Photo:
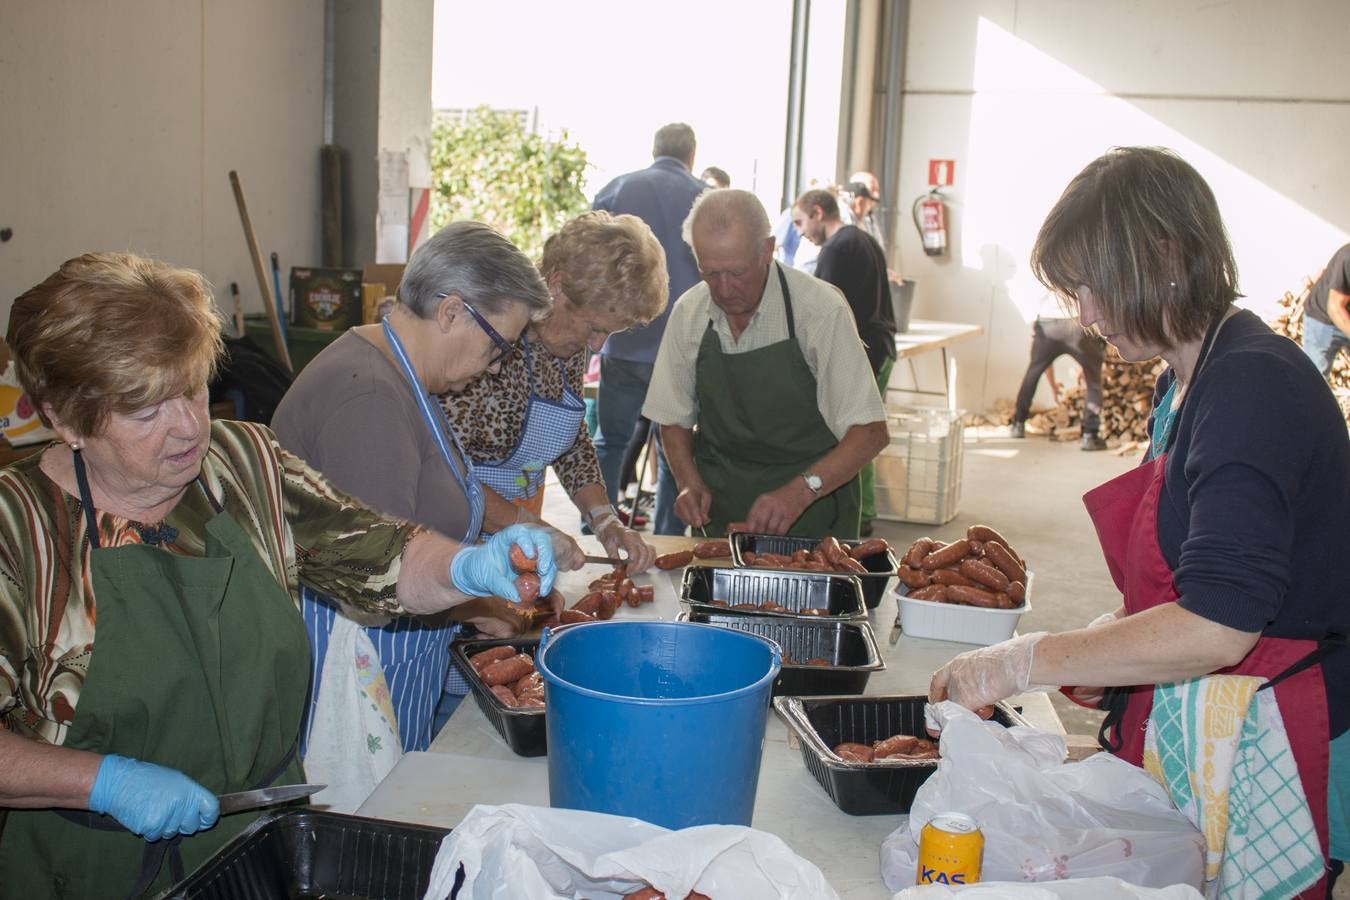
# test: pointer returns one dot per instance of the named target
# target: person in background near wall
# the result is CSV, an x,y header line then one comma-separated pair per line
x,y
852,260
1326,321
715,178
1053,334
660,195
152,653
864,198
360,412
1227,542
605,274
766,403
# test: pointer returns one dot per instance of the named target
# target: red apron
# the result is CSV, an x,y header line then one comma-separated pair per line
x,y
1125,513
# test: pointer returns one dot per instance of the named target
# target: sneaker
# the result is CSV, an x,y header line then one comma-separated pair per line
x,y
1017,430
1092,442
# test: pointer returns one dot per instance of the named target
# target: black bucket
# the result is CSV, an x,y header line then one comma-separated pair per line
x,y
902,301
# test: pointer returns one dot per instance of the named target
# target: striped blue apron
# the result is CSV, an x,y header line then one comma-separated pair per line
x,y
549,429
414,656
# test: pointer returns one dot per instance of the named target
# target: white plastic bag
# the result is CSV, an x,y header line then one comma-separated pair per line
x,y
514,851
1044,819
1072,889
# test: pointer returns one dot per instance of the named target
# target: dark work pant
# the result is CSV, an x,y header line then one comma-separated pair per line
x,y
1051,339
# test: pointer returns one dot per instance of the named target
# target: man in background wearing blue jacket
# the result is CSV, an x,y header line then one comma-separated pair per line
x,y
660,195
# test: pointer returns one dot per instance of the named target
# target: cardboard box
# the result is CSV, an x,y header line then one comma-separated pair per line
x,y
379,290
326,299
19,422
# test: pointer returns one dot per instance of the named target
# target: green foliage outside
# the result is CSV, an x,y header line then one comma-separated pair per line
x,y
490,168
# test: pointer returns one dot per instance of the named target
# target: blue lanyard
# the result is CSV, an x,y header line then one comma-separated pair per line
x,y
439,427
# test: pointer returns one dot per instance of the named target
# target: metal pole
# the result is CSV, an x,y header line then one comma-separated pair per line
x,y
897,32
848,92
792,150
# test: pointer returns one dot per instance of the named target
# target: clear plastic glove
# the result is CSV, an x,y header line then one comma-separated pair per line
x,y
484,570
567,553
989,674
615,536
151,801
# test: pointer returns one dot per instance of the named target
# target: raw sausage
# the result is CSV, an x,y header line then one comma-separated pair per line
x,y
972,597
572,616
852,566
900,743
520,562
950,577
527,586
953,552
675,560
712,549
869,548
913,578
506,671
918,550
646,592
1018,592
984,574
1001,556
853,752
834,553
480,660
934,592
503,693
589,604
609,602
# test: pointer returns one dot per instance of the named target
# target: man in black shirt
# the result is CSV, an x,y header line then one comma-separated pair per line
x,y
1326,324
853,261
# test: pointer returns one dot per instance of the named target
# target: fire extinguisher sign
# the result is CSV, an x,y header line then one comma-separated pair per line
x,y
941,172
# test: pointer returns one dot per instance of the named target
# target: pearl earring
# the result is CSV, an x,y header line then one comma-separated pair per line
x,y
75,445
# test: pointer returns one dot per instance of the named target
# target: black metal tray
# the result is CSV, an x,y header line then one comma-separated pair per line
x,y
858,788
881,567
295,853
840,595
522,729
851,648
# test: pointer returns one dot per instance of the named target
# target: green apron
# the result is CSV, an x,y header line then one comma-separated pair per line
x,y
200,664
759,427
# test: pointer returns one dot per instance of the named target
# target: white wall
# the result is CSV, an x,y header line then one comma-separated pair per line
x,y
1023,93
121,120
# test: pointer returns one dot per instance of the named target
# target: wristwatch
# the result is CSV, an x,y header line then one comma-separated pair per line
x,y
813,482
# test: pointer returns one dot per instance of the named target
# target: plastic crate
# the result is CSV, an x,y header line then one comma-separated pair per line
x,y
850,647
918,474
881,567
309,853
859,788
522,729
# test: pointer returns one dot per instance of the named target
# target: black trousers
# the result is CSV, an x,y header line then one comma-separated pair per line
x,y
1051,339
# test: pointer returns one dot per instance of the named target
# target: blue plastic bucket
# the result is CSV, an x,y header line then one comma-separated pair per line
x,y
662,721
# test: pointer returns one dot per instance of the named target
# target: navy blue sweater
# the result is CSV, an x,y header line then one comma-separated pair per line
x,y
1255,508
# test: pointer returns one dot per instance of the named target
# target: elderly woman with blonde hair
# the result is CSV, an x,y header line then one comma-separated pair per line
x,y
152,653
606,273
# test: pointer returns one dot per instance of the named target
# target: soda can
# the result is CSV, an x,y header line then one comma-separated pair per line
x,y
951,850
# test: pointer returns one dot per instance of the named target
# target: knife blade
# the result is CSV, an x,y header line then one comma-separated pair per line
x,y
268,796
605,560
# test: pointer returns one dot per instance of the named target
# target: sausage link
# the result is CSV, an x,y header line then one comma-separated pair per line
x,y
853,752
520,562
869,548
986,534
913,578
899,743
972,597
953,552
852,566
712,549
1018,592
628,593
1001,556
976,548
984,574
589,604
481,659
527,586
609,603
646,592
532,683
1004,601
506,671
918,550
675,560
949,577
572,616
503,693
834,553
800,555
935,592
749,557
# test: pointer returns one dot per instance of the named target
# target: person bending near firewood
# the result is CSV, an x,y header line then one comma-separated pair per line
x,y
1053,334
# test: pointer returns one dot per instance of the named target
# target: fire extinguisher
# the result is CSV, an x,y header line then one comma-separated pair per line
x,y
930,217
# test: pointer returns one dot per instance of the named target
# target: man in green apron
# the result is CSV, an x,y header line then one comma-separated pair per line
x,y
766,402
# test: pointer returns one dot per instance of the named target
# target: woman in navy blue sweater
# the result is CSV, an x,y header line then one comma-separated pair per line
x,y
1227,542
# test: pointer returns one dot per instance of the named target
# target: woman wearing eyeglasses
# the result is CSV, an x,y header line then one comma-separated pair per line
x,y
605,274
364,413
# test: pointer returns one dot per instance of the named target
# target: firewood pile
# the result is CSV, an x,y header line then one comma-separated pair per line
x,y
1127,394
1289,322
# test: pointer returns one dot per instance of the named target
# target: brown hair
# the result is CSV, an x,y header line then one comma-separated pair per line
x,y
821,198
113,332
1142,230
609,262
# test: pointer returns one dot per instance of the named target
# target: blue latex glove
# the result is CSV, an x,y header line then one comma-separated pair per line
x,y
152,801
484,570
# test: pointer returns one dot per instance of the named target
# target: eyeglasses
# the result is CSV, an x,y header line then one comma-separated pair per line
x,y
505,348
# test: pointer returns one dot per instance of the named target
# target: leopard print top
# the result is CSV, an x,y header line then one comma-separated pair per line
x,y
487,416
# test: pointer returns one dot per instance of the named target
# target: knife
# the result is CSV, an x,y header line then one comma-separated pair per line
x,y
268,796
605,560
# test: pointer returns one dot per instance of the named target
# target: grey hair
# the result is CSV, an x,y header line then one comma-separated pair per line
x,y
474,261
675,139
725,210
